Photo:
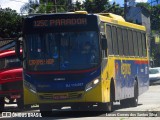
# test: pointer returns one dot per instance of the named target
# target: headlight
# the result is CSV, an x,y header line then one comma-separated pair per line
x,y
92,84
31,87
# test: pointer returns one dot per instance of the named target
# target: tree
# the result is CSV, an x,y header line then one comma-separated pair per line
x,y
95,6
10,23
116,9
155,18
78,6
30,7
98,6
53,6
154,15
155,23
142,4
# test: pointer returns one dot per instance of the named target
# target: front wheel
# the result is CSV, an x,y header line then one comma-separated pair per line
x,y
107,107
81,107
20,103
45,110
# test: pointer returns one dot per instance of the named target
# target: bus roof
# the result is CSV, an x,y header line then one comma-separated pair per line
x,y
119,20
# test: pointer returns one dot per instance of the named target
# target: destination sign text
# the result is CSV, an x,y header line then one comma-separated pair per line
x,y
60,22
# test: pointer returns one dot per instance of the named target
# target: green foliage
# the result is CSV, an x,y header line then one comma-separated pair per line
x,y
155,18
53,6
98,6
10,23
155,23
116,9
154,15
155,27
78,6
91,6
30,7
95,6
146,5
48,8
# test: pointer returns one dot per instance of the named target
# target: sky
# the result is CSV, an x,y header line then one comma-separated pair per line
x,y
13,4
16,4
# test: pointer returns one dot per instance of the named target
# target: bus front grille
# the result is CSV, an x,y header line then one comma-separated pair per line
x,y
60,96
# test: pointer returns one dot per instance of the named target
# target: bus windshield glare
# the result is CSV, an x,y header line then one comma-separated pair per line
x,y
62,51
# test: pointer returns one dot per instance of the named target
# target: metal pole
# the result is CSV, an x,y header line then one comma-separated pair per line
x,y
70,5
55,3
46,3
125,8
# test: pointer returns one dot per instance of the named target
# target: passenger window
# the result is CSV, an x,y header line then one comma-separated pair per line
x,y
109,39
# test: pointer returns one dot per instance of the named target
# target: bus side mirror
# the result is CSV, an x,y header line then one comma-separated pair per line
x,y
104,42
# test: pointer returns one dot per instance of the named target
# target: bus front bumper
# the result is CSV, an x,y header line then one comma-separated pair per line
x,y
94,95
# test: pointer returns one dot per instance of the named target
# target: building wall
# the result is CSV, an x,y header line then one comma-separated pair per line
x,y
140,16
134,15
146,23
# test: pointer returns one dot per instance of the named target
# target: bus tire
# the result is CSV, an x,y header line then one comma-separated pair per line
x,y
103,107
45,110
20,103
2,102
112,96
134,100
124,103
75,108
109,105
106,107
80,108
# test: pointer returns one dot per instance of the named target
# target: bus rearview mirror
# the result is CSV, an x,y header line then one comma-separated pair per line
x,y
104,43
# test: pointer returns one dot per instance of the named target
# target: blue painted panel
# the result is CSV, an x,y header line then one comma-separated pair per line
x,y
126,72
61,82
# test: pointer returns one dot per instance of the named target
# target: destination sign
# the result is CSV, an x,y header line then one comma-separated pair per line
x,y
41,62
60,22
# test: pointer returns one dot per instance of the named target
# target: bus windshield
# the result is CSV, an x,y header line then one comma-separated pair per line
x,y
62,51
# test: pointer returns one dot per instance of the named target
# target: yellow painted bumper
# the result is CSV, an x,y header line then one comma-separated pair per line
x,y
93,95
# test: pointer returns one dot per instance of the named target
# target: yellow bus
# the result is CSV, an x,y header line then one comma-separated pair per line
x,y
83,60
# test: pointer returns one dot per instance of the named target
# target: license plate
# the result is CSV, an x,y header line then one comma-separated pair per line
x,y
60,97
15,96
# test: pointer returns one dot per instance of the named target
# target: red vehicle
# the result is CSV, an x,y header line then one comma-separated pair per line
x,y
11,86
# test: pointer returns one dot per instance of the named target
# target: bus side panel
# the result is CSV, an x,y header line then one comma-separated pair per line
x,y
126,72
142,75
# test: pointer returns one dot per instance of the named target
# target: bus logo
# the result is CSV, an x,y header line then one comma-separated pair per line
x,y
125,69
